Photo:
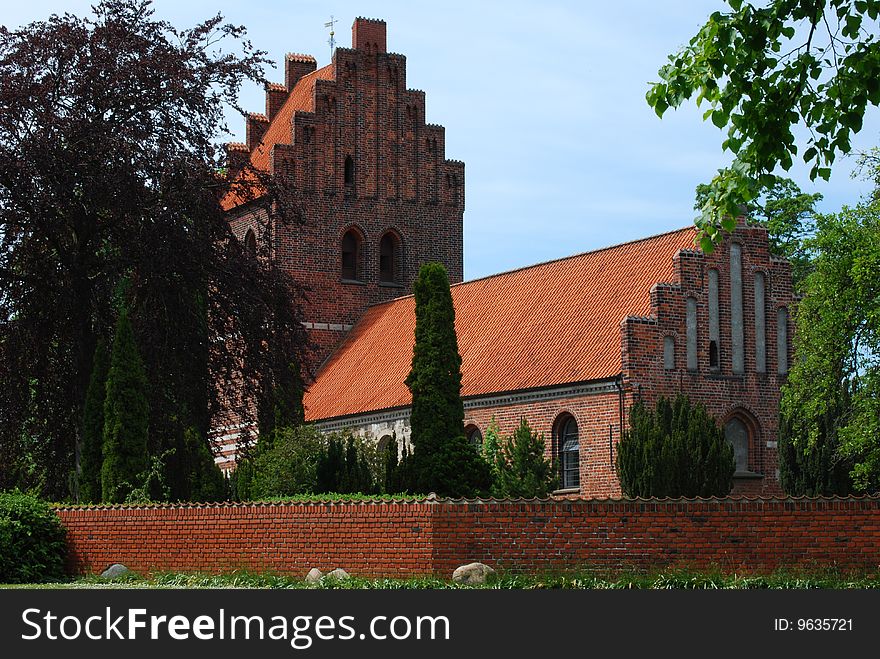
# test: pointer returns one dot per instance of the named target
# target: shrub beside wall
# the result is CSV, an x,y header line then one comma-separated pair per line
x,y
32,544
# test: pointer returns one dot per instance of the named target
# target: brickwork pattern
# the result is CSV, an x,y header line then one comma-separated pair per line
x,y
598,420
751,396
749,536
402,182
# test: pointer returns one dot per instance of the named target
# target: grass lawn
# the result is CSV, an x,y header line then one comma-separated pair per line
x,y
667,580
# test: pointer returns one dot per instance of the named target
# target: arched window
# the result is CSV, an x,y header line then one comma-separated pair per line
x,y
384,443
389,266
569,451
250,242
714,325
737,350
668,353
737,434
351,255
691,327
474,437
760,325
349,171
782,340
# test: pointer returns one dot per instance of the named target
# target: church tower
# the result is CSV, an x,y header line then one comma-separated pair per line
x,y
379,197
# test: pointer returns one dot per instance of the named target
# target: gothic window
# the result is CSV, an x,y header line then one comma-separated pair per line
x,y
760,325
474,437
250,243
737,435
351,249
782,340
569,451
668,353
349,171
691,326
714,325
736,310
389,266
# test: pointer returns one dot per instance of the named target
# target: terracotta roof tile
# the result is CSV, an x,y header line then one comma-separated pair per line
x,y
302,99
544,325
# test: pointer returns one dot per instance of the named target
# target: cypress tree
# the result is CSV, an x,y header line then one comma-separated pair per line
x,y
206,481
677,450
126,417
343,468
444,462
91,455
331,467
391,467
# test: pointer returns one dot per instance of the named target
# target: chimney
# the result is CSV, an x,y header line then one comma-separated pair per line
x,y
255,129
275,96
368,34
295,67
236,157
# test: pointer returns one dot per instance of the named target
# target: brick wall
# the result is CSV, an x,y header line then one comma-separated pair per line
x,y
391,539
405,539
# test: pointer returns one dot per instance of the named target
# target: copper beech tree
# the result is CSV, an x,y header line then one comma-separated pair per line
x,y
111,178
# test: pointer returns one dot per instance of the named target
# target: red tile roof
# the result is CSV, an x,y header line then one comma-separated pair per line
x,y
302,98
544,325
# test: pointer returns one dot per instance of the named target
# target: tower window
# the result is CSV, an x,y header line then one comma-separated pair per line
x,y
351,248
714,361
349,171
250,243
389,266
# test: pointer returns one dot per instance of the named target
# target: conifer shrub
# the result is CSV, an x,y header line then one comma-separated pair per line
x,y
32,544
399,476
521,468
676,450
206,481
287,467
91,451
344,468
126,417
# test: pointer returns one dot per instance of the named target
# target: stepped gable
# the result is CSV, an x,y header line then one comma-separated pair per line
x,y
544,325
301,98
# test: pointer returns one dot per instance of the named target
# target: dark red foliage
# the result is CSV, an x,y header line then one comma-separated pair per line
x,y
110,178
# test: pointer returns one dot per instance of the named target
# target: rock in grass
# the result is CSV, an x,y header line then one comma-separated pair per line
x,y
473,574
314,576
115,571
339,574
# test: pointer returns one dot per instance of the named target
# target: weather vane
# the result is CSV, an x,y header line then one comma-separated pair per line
x,y
332,39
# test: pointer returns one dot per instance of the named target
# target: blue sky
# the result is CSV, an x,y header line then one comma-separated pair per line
x,y
544,103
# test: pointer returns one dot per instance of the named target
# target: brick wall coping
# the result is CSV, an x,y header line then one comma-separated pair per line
x,y
433,500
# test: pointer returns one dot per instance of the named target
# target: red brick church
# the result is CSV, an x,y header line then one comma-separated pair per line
x,y
570,344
